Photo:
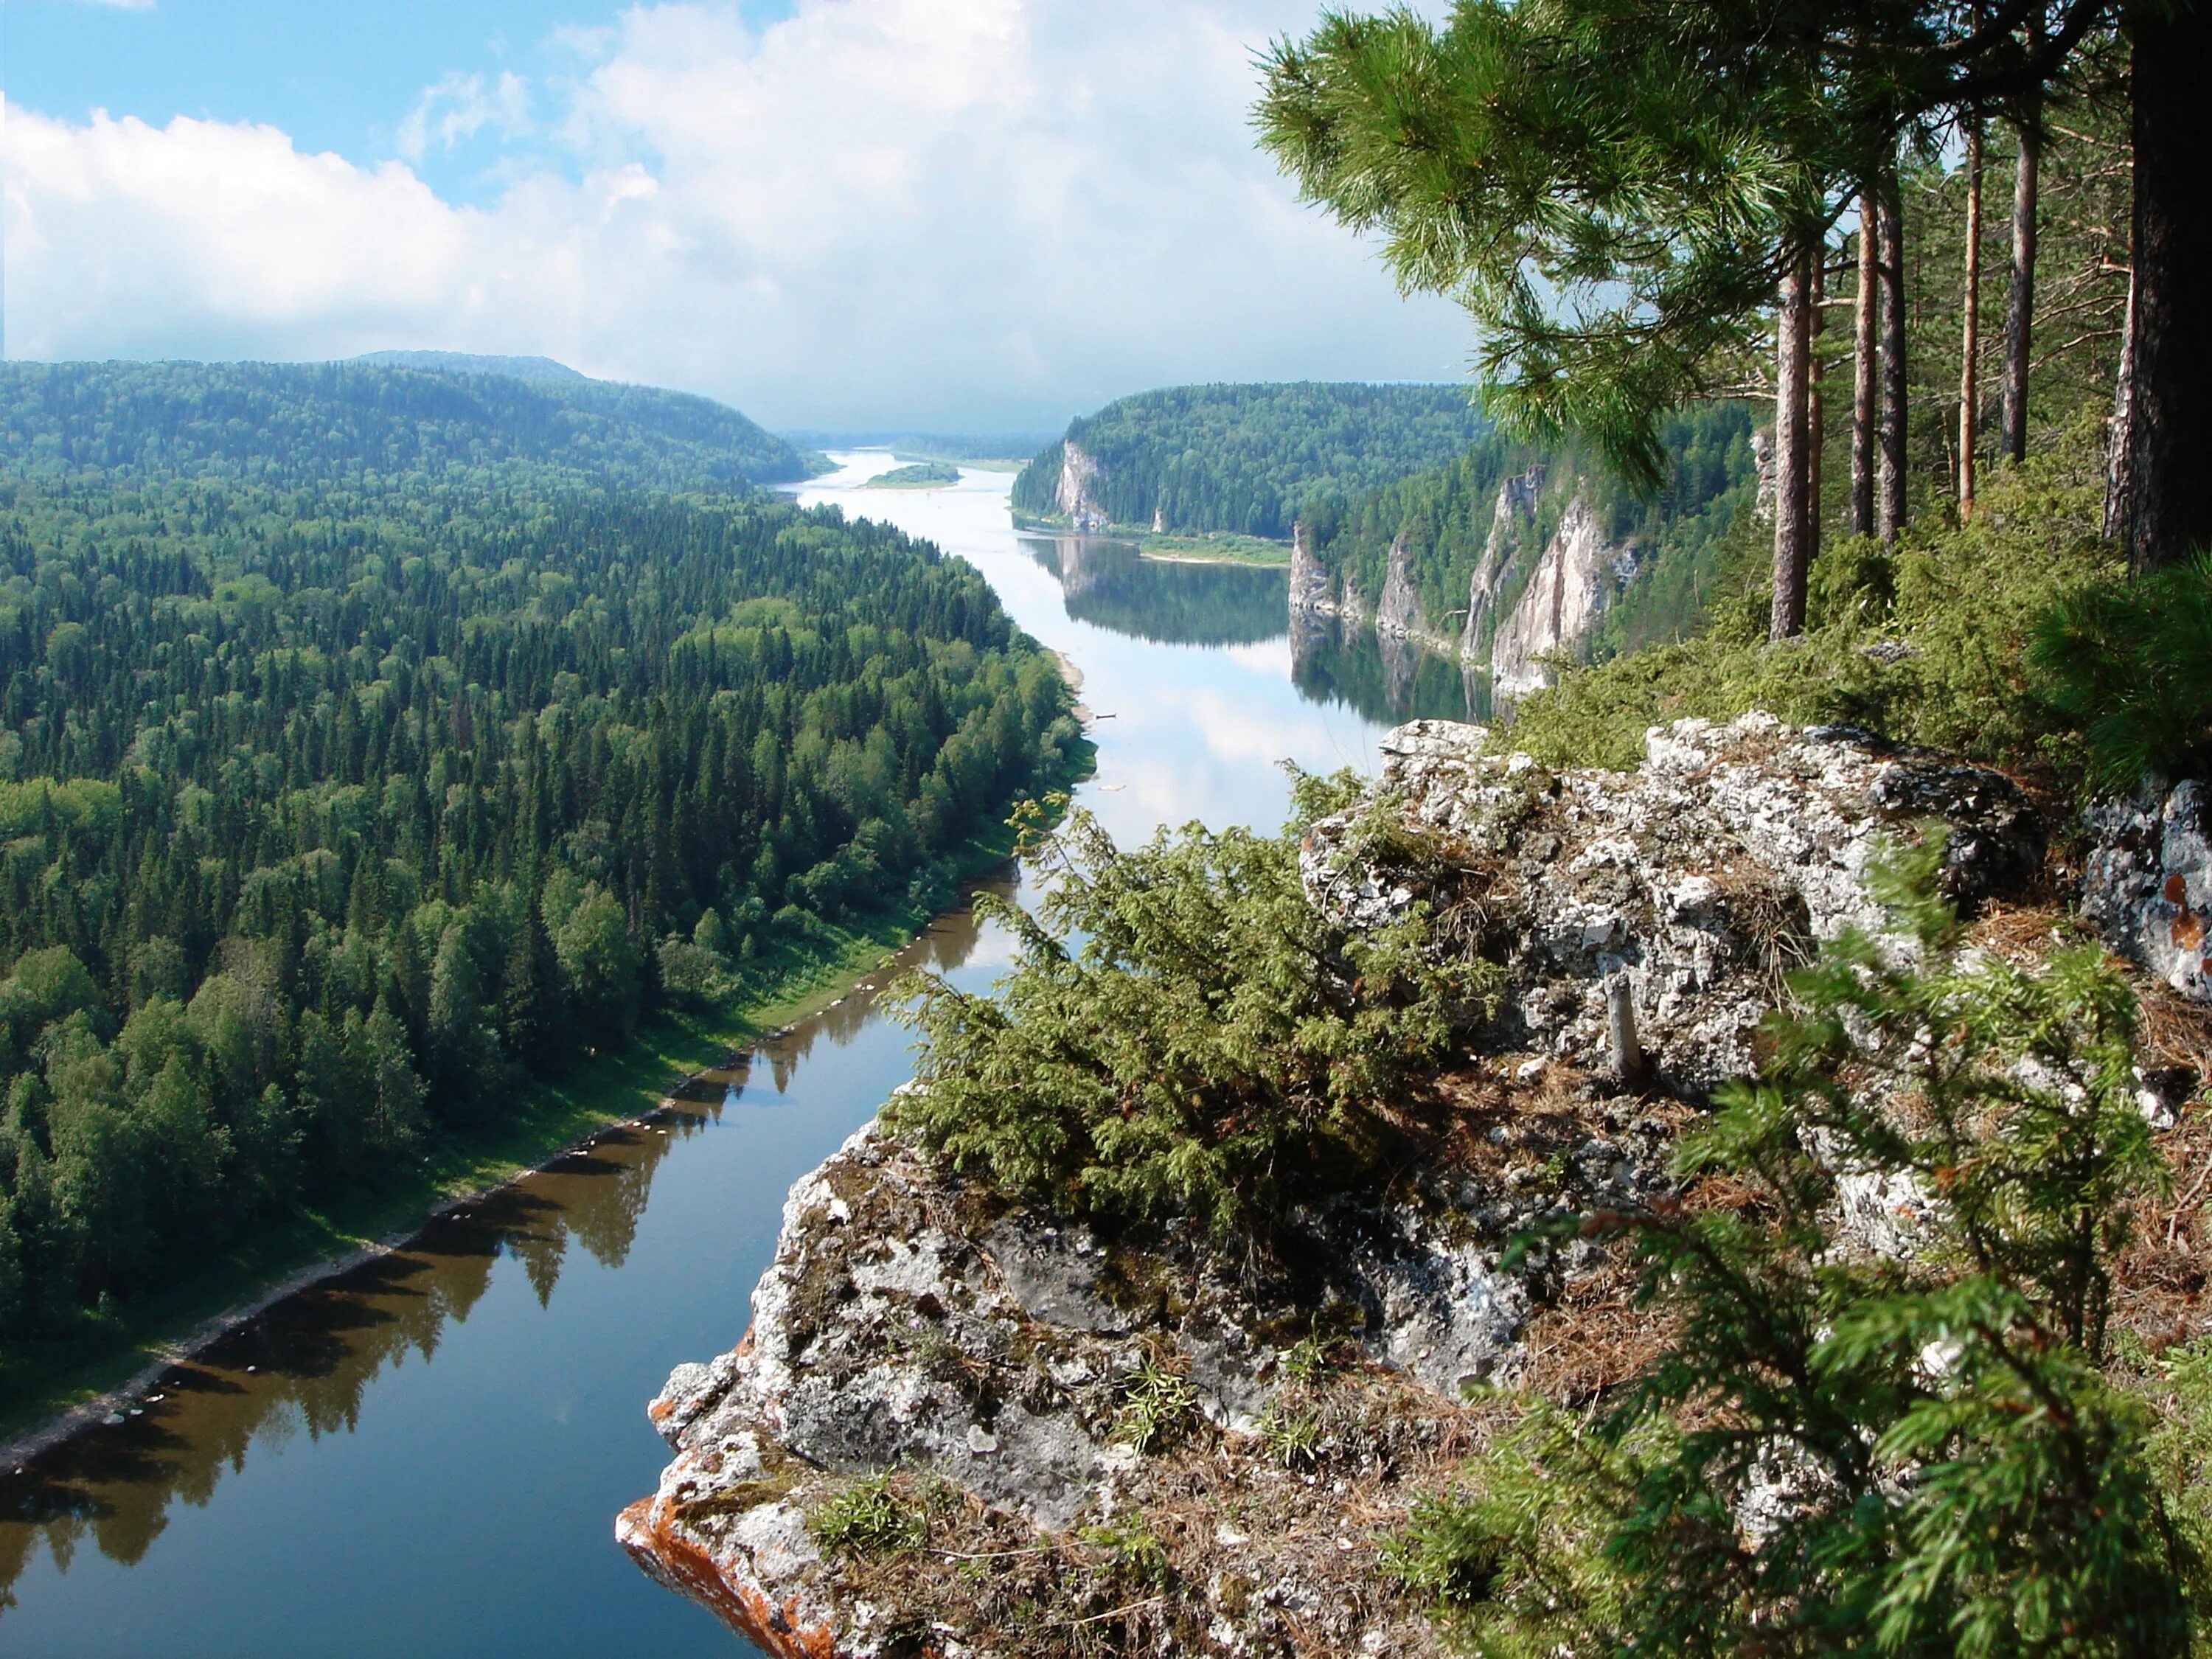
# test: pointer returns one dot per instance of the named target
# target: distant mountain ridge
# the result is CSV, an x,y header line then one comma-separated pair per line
x,y
301,424
1245,458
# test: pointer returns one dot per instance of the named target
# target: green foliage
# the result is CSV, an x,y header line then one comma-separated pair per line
x,y
2126,665
294,425
1290,1436
1929,645
1183,1034
1136,1558
1845,1447
1251,459
868,1519
329,813
1602,184
1157,1406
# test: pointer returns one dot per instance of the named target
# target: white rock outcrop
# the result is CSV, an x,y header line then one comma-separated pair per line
x,y
1700,877
1574,581
911,1322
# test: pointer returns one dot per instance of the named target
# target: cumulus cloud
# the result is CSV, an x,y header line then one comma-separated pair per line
x,y
874,212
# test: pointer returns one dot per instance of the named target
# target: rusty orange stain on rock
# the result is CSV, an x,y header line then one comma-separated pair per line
x,y
2188,931
646,1532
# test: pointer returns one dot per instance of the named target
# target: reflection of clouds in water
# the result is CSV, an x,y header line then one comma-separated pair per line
x,y
1268,657
1236,731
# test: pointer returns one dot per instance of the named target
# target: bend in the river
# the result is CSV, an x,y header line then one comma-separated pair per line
x,y
424,1457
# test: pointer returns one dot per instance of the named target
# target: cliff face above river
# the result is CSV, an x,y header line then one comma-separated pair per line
x,y
1534,599
964,1425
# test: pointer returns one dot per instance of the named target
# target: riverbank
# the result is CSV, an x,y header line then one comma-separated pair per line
x,y
1215,547
51,1389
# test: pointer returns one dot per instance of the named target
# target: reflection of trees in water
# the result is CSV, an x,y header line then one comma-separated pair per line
x,y
313,1357
306,1365
1387,678
1109,584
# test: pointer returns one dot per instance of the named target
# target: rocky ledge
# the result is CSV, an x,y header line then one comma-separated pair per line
x,y
1068,1435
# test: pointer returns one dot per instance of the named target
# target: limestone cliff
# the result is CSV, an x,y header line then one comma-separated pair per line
x,y
1078,471
1575,579
1565,583
1067,1438
1510,523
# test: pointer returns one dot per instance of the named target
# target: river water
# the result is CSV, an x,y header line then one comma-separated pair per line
x,y
425,1457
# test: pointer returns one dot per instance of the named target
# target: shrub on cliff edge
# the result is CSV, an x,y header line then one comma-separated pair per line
x,y
1183,1034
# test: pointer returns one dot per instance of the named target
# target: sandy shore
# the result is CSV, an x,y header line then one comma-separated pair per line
x,y
1073,676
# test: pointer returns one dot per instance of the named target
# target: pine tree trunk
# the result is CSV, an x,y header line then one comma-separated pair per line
x,y
1889,223
2169,449
2019,309
1865,335
2119,431
1969,347
1816,413
1792,352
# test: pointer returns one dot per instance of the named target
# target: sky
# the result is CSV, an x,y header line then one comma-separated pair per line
x,y
947,215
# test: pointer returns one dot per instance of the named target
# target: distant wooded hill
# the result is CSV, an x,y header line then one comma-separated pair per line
x,y
1244,459
294,424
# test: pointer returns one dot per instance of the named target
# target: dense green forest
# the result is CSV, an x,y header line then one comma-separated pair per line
x,y
1447,516
295,424
331,811
1250,459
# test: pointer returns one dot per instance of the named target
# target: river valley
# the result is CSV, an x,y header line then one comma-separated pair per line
x,y
425,1457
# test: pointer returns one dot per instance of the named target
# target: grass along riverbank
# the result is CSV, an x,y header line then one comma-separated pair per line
x,y
52,1386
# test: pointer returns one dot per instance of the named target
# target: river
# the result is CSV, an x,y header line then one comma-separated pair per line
x,y
425,1457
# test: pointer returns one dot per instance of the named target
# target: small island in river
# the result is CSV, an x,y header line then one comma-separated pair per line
x,y
922,475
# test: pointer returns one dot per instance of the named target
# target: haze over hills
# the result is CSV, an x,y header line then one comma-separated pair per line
x,y
295,423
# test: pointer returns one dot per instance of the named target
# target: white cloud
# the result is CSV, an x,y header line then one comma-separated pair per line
x,y
460,107
951,211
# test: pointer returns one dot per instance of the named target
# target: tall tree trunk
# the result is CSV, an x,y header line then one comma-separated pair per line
x,y
1793,340
1969,347
1889,222
2170,452
1816,412
2119,431
1866,334
2019,309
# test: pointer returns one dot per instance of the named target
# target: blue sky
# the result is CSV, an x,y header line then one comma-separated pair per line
x,y
956,213
337,75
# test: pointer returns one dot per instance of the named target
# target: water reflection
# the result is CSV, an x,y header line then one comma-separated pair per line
x,y
305,1367
1387,677
1109,584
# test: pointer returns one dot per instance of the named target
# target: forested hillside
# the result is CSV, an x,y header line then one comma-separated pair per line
x,y
1248,459
328,812
1674,535
293,425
